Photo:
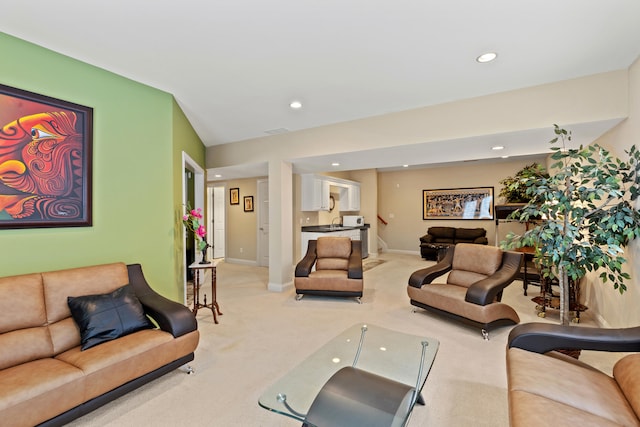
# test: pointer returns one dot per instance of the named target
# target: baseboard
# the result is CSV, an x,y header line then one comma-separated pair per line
x,y
241,261
279,287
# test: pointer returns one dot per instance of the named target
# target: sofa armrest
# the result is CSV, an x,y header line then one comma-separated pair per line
x,y
170,316
427,275
481,241
427,238
303,268
355,260
485,291
544,337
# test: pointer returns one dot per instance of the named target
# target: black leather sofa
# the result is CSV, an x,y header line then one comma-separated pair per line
x,y
449,236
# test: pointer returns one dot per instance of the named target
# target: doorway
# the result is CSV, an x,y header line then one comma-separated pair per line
x,y
263,223
193,192
216,200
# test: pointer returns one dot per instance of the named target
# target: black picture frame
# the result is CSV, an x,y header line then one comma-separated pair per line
x,y
474,203
234,196
46,161
248,203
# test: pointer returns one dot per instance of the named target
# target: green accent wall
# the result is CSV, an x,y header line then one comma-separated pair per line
x,y
139,135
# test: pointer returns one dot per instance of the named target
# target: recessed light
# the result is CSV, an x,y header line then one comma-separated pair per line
x,y
335,164
218,175
487,57
296,105
405,166
497,147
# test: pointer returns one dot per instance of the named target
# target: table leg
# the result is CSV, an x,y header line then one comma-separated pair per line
x,y
196,291
214,300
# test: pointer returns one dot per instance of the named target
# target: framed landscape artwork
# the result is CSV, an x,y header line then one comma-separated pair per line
x,y
458,203
45,161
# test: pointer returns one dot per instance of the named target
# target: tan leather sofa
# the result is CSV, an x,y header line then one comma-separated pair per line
x,y
46,378
472,292
549,388
338,268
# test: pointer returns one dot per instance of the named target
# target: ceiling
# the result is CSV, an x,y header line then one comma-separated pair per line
x,y
234,66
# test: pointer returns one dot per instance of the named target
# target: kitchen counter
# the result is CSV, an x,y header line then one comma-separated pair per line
x,y
331,228
311,232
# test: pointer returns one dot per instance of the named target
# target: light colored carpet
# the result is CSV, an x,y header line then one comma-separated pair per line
x,y
371,263
263,334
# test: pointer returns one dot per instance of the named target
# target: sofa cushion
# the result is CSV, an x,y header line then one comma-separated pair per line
x,y
447,233
469,234
627,373
58,285
36,391
105,317
472,263
333,253
560,382
23,321
117,362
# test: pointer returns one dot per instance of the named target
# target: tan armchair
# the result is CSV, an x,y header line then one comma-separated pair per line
x,y
473,289
338,269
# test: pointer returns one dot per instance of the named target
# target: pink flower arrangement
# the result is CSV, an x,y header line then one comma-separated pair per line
x,y
191,221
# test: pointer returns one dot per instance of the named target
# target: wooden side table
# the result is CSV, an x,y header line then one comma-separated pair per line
x,y
198,275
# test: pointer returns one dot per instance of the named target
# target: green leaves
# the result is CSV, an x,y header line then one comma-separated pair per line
x,y
583,213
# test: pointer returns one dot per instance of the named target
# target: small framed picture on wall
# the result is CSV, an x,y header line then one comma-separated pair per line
x,y
234,196
248,203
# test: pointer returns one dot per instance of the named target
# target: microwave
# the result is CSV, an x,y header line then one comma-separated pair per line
x,y
352,220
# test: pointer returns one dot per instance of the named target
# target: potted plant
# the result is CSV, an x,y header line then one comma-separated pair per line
x,y
191,221
585,214
513,190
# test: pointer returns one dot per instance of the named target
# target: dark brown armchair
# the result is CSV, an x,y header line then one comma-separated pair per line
x,y
473,290
338,268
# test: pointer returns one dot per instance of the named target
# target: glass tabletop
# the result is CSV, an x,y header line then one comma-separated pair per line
x,y
400,357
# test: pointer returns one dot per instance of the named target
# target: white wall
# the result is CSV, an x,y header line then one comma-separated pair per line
x,y
612,308
400,198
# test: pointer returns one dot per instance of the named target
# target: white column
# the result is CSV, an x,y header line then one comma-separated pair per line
x,y
280,225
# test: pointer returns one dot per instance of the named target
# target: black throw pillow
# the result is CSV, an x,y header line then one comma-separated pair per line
x,y
109,316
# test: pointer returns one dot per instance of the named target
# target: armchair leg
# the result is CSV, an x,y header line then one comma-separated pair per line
x,y
299,297
485,334
359,299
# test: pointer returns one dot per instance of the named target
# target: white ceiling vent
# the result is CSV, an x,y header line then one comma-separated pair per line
x,y
277,131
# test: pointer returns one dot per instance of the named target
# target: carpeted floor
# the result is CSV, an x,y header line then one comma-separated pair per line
x,y
370,263
263,334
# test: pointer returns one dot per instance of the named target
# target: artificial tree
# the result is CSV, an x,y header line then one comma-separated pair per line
x,y
584,215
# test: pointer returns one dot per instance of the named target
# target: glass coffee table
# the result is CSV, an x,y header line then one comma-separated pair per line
x,y
367,375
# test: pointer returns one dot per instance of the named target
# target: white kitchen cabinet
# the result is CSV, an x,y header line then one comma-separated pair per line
x,y
350,197
315,193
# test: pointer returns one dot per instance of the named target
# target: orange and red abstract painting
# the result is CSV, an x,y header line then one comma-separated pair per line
x,y
45,161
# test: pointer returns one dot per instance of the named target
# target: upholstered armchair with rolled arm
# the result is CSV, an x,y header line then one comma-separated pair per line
x,y
547,387
338,268
473,289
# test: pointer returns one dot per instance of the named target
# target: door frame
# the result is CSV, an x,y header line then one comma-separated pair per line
x,y
262,197
199,195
